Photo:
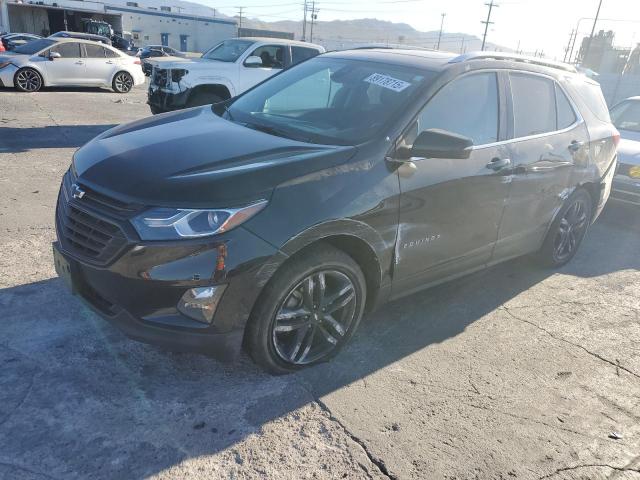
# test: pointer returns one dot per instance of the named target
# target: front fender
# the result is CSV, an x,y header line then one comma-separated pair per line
x,y
209,81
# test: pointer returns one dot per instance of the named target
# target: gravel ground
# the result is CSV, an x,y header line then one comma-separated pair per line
x,y
511,373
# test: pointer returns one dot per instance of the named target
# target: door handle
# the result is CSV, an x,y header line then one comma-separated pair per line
x,y
110,62
499,163
575,145
79,62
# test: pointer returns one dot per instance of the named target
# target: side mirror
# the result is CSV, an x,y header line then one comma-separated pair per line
x,y
253,61
54,55
435,143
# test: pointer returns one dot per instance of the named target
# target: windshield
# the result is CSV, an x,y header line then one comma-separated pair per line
x,y
330,100
227,51
626,115
34,46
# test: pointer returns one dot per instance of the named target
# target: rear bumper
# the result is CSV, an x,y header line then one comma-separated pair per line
x,y
606,184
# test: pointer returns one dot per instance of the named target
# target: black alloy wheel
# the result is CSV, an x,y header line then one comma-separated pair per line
x,y
568,230
28,80
122,82
308,311
314,317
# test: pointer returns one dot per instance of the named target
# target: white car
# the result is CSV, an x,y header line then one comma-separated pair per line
x,y
69,62
224,71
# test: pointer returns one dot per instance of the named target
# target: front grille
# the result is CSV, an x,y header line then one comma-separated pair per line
x,y
84,232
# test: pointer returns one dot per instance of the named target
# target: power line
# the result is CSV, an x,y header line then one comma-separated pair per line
x,y
488,21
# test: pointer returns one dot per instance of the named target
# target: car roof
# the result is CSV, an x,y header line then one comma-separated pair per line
x,y
428,59
79,40
285,41
80,34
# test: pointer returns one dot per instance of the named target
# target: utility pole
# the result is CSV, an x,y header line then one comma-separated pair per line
x,y
462,45
314,16
566,50
440,34
304,22
593,29
240,19
487,22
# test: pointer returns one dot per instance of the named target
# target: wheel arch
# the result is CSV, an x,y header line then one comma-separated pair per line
x,y
220,89
43,75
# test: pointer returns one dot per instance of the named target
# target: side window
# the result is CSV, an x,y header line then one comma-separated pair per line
x,y
67,49
272,56
534,104
467,106
298,54
93,51
566,115
110,53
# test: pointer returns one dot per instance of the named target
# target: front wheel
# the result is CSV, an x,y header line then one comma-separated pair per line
x,y
122,82
28,80
307,312
568,230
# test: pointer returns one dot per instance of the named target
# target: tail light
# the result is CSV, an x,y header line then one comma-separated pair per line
x,y
616,137
137,62
2,49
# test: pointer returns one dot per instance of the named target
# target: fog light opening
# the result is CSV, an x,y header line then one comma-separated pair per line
x,y
200,303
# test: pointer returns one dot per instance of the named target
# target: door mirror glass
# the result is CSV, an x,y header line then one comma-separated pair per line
x,y
54,55
435,143
253,61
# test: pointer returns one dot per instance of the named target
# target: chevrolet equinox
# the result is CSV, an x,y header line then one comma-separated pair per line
x,y
276,219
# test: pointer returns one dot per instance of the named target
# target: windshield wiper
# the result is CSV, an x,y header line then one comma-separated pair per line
x,y
270,130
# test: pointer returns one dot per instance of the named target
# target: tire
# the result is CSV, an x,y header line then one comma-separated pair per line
x,y
28,80
203,98
567,230
122,82
155,110
286,332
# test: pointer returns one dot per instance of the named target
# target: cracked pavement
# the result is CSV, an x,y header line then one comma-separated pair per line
x,y
514,372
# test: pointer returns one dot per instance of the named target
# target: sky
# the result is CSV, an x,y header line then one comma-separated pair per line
x,y
542,25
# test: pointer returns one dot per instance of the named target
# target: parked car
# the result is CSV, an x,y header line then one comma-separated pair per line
x,y
277,218
124,45
82,36
66,62
626,184
11,41
154,51
224,71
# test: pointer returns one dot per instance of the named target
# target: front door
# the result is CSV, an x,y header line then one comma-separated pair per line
x,y
69,69
273,60
450,209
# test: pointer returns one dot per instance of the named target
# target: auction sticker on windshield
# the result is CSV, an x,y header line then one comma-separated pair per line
x,y
386,81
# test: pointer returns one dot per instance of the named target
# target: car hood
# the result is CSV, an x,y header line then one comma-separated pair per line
x,y
190,63
193,158
629,148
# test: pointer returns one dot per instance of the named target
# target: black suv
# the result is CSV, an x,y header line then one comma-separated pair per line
x,y
278,218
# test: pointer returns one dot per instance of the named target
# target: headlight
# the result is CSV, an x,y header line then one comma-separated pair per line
x,y
176,223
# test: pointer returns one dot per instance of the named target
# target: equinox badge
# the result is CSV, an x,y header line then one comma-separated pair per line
x,y
76,191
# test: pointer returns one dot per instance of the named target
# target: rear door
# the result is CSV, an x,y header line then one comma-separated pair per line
x,y
99,67
70,68
549,138
451,208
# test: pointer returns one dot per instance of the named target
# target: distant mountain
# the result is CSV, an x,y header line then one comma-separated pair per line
x,y
339,34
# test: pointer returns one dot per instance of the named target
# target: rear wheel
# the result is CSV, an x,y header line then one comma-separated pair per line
x,y
28,80
568,230
308,311
122,82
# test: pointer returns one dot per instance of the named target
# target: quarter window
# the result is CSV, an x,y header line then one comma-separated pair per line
x,y
566,115
467,106
534,104
110,53
94,51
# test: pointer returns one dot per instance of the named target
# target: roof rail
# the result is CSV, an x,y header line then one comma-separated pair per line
x,y
514,57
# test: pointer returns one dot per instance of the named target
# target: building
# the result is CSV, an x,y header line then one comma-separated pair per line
x,y
179,24
601,55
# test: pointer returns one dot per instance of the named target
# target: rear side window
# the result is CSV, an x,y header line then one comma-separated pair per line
x,y
467,106
591,95
298,54
534,104
566,115
110,53
94,51
67,49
